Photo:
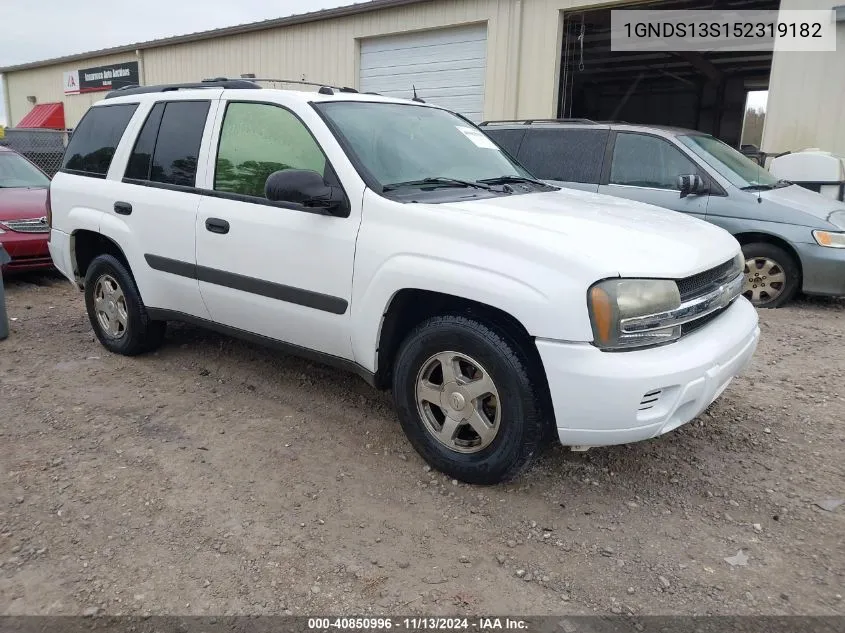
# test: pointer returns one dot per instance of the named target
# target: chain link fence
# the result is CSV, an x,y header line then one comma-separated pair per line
x,y
43,147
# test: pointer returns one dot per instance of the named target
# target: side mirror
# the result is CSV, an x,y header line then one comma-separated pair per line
x,y
305,187
691,185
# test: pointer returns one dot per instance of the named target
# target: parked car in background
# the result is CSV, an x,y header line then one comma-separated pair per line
x,y
793,239
394,239
24,230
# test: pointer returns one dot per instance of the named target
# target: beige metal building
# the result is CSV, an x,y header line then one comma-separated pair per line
x,y
489,59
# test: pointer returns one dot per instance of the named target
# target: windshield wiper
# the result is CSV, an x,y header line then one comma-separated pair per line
x,y
441,181
757,187
503,180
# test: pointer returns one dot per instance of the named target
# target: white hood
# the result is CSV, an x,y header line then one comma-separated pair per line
x,y
619,236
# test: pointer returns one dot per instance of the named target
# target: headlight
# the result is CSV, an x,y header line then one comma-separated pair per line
x,y
613,300
829,238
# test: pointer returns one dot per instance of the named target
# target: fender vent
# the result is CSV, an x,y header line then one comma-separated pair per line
x,y
650,400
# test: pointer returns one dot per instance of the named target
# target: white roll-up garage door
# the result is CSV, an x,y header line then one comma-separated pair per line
x,y
447,66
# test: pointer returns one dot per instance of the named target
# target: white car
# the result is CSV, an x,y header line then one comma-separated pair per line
x,y
394,239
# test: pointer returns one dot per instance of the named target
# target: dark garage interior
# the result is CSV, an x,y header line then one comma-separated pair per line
x,y
705,91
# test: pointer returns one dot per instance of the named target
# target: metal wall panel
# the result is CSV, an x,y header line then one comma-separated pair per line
x,y
806,106
46,85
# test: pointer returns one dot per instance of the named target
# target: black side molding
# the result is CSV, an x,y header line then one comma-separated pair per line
x,y
281,292
158,314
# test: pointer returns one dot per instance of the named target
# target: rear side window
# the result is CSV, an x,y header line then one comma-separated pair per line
x,y
568,155
510,140
140,161
95,139
177,147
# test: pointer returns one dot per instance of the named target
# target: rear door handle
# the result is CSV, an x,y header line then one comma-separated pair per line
x,y
216,225
122,208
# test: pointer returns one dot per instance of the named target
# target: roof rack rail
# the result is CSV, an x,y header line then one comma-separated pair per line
x,y
206,83
329,88
530,121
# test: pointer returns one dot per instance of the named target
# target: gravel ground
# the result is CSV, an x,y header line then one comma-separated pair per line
x,y
216,477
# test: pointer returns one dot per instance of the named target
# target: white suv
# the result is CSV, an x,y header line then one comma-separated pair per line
x,y
394,239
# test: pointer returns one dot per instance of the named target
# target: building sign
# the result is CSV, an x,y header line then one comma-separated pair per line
x,y
101,78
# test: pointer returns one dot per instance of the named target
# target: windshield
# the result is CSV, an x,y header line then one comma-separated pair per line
x,y
16,171
740,170
398,143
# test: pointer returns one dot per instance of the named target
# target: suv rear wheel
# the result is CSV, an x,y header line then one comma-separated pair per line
x,y
466,401
116,311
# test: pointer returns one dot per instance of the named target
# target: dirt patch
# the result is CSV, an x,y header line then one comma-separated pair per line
x,y
216,477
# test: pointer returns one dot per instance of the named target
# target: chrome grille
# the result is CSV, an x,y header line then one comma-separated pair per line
x,y
709,280
32,225
689,328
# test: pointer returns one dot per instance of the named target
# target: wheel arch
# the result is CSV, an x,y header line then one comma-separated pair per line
x,y
750,237
86,245
411,306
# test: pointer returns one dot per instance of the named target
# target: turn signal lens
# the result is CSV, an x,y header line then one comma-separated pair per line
x,y
602,314
827,238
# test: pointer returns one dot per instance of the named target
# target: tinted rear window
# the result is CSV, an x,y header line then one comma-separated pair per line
x,y
95,139
508,139
569,155
142,154
177,148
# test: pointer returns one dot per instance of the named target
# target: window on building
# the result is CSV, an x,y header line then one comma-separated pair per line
x,y
95,139
258,139
648,161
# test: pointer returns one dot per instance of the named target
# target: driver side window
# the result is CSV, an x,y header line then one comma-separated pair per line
x,y
258,139
648,161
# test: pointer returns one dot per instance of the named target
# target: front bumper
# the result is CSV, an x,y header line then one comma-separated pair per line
x,y
823,268
27,250
603,398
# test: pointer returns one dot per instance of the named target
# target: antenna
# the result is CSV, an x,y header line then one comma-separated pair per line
x,y
759,174
416,98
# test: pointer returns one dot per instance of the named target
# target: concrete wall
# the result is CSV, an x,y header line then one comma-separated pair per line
x,y
523,54
806,105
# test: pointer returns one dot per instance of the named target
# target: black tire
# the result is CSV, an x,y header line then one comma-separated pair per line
x,y
141,334
785,263
522,426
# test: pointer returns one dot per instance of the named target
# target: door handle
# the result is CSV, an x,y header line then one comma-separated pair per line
x,y
216,225
122,208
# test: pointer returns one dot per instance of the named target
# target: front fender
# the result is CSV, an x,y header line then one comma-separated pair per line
x,y
532,306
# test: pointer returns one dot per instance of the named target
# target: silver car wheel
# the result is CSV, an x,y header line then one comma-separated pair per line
x,y
110,307
458,402
765,280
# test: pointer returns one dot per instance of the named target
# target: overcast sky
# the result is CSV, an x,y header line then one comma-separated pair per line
x,y
41,29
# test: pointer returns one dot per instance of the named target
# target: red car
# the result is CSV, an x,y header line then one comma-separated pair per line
x,y
24,230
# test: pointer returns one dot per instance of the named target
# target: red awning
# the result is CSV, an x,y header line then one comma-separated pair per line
x,y
45,115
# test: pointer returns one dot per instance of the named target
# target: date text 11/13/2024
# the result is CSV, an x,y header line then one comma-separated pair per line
x,y
417,624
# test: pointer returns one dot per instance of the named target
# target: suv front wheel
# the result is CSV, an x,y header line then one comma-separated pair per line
x,y
466,400
116,311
